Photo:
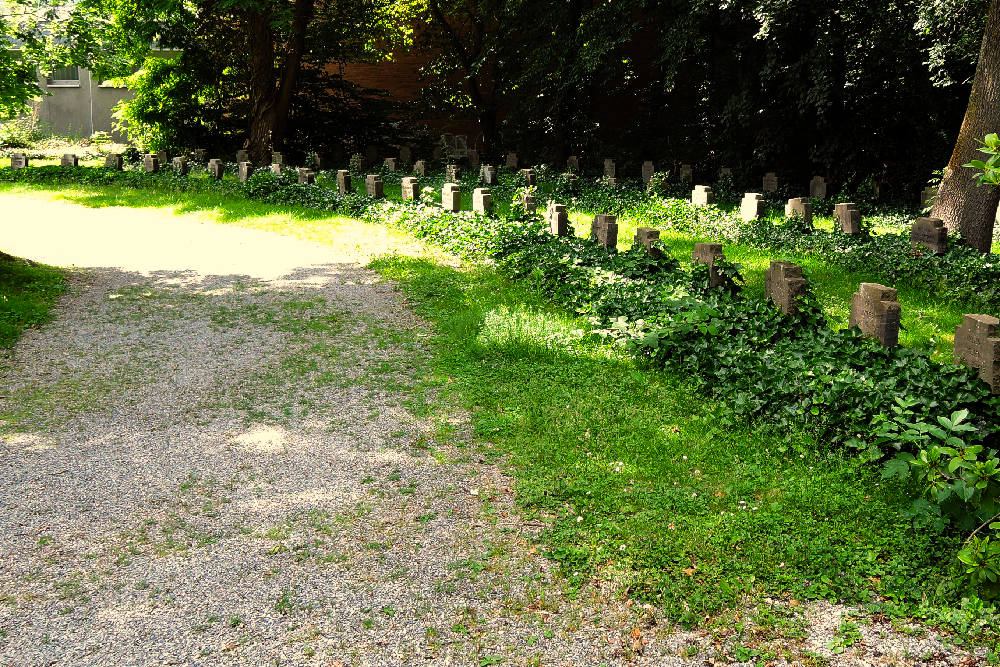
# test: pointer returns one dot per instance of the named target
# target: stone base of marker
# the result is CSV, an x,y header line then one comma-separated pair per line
x,y
374,187
752,207
390,164
557,218
609,169
817,187
246,171
709,253
420,167
512,161
604,231
784,286
849,217
180,166
216,169
645,236
306,176
977,345
482,201
453,173
344,182
770,182
930,234
115,161
19,161
875,310
801,207
411,188
451,197
488,174
529,202
702,195
277,169
69,160
528,177
686,173
647,171
150,164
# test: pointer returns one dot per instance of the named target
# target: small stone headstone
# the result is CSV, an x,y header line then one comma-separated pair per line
x,y
573,163
702,195
390,164
709,253
420,167
849,217
612,182
725,172
246,171
20,161
686,173
512,161
473,158
482,201
876,312
356,163
752,207
528,177
70,160
930,233
405,155
411,188
198,155
242,156
977,345
529,202
150,163
572,181
451,197
163,157
181,166
557,218
609,168
317,161
783,285
115,161
453,172
817,187
374,186
278,158
604,230
306,176
277,168
488,174
645,236
647,171
344,182
770,183
216,168
927,196
801,207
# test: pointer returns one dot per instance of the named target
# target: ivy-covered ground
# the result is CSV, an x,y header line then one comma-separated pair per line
x,y
690,444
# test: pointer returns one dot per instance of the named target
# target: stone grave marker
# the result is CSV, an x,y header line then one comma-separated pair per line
x,y
114,161
488,174
573,163
246,171
977,345
783,285
317,161
752,207
849,217
374,186
199,154
420,167
702,195
557,218
181,166
451,197
708,253
876,312
529,178
725,172
817,187
645,236
163,158
512,160
70,160
482,201
355,163
612,182
390,164
647,171
686,173
931,234
572,181
801,207
242,156
609,168
20,161
277,168
529,202
604,230
344,181
411,188
278,158
770,182
306,176
453,172
216,169
150,163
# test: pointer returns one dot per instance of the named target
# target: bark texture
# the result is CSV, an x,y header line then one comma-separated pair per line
x,y
964,206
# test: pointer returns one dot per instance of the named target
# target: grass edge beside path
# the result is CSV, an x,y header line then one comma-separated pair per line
x,y
28,292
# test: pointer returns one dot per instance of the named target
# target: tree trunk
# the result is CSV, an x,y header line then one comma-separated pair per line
x,y
290,73
262,88
961,202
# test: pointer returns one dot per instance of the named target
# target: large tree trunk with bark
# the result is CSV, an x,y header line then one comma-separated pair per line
x,y
261,86
962,204
290,73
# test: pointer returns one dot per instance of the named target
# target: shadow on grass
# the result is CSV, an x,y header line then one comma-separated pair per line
x,y
641,480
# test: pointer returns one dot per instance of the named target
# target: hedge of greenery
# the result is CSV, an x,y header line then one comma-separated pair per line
x,y
937,424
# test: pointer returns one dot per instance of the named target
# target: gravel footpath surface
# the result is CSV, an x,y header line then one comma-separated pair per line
x,y
211,456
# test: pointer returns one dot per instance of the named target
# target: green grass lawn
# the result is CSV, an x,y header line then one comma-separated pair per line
x,y
27,293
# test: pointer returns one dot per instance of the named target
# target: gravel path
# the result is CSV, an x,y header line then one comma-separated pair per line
x,y
219,452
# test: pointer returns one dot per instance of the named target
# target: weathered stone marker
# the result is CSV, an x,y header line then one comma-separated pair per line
x,y
344,181
451,197
69,160
355,163
725,172
277,168
647,171
784,284
558,219
150,163
609,168
246,171
20,161
573,162
512,160
482,200
686,173
411,188
612,182
453,172
770,182
278,158
390,164
977,345
242,156
645,236
875,310
198,154
752,207
604,230
163,157
114,161
216,168
702,195
931,234
420,167
306,176
529,202
374,186
488,174
849,217
317,161
801,207
529,177
817,187
709,253
181,166
572,181
405,155
927,196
